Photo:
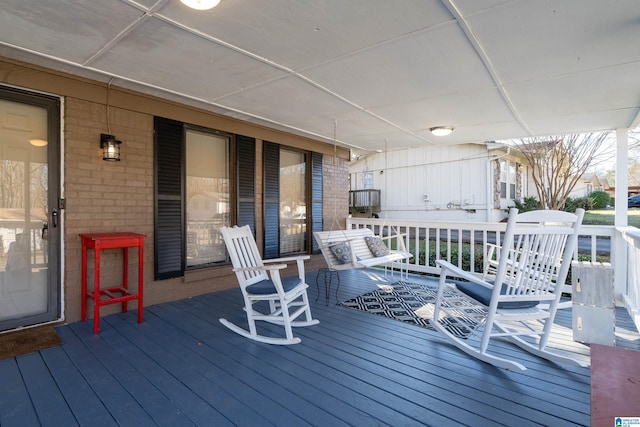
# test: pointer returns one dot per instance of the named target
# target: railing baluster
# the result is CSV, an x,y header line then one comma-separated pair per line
x,y
422,234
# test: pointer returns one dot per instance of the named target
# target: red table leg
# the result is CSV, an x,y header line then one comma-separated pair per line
x,y
84,281
140,278
96,288
125,276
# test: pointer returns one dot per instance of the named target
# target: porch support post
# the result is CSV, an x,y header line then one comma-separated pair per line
x,y
622,179
619,258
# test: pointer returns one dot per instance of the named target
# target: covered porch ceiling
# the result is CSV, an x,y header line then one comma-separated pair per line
x,y
369,74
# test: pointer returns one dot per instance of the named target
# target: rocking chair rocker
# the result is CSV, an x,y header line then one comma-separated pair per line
x,y
519,302
260,282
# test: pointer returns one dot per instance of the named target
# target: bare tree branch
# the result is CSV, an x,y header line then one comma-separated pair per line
x,y
556,163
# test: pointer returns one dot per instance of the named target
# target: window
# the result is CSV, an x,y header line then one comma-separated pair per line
x,y
367,180
207,196
194,195
293,202
206,179
508,178
292,185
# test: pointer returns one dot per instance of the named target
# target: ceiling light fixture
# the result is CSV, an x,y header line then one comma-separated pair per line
x,y
201,4
38,142
441,130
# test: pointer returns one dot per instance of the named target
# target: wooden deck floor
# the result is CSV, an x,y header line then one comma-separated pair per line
x,y
181,367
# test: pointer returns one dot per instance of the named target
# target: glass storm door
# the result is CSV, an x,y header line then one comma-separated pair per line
x,y
29,216
293,201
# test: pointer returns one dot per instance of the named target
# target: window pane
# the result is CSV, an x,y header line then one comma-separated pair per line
x,y
503,171
293,202
367,181
512,180
207,196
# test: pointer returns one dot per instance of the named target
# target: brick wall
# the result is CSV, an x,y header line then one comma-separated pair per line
x,y
335,188
106,196
119,196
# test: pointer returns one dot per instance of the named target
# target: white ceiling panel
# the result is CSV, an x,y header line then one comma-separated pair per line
x,y
383,70
443,62
560,37
590,92
581,122
464,109
61,29
195,66
302,33
286,100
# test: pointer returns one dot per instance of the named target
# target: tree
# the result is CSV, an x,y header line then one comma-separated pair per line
x,y
557,163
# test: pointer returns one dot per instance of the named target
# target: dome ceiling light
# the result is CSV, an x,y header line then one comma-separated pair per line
x,y
38,142
441,130
201,4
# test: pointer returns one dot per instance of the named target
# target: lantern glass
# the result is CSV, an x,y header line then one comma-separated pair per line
x,y
110,148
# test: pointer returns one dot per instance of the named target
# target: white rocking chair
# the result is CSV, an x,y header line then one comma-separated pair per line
x,y
263,283
534,257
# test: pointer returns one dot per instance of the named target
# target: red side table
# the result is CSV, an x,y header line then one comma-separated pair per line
x,y
119,294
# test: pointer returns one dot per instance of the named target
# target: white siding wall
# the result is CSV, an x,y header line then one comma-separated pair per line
x,y
454,178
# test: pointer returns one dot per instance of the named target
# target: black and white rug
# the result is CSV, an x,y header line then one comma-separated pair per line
x,y
407,302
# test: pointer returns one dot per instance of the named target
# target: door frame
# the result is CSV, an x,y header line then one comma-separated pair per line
x,y
53,104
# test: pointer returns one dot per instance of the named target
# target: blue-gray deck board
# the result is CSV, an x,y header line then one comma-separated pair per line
x,y
182,367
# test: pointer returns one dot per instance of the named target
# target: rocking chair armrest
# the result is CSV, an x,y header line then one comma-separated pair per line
x,y
286,259
261,268
458,272
299,259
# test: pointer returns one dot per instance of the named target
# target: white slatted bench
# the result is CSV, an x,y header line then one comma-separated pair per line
x,y
361,255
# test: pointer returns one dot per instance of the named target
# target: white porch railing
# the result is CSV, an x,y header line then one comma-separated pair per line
x,y
628,238
462,242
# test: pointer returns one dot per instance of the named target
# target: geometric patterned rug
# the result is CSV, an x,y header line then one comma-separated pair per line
x,y
407,302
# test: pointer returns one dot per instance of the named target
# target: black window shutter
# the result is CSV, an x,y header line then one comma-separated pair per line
x,y
246,178
168,199
271,185
316,198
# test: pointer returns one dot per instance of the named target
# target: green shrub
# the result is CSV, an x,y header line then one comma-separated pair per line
x,y
527,204
600,199
571,204
466,256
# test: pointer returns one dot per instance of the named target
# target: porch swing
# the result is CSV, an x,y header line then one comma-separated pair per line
x,y
358,248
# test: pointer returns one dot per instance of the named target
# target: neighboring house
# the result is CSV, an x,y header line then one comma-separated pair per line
x,y
632,189
467,182
587,184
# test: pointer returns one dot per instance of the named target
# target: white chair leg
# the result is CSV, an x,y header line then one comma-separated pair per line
x,y
474,352
259,338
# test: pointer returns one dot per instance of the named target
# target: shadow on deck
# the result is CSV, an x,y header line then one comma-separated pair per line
x,y
181,367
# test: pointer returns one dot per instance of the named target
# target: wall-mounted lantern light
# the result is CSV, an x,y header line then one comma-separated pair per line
x,y
110,147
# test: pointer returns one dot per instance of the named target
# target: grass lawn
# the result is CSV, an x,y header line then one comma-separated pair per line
x,y
606,217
